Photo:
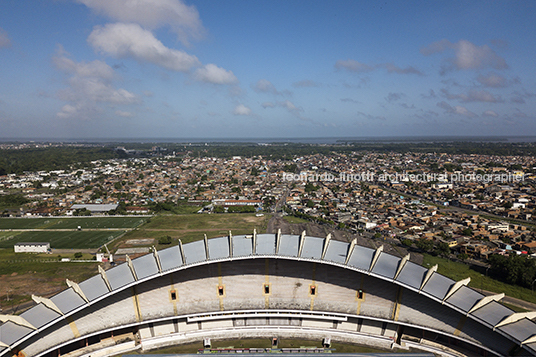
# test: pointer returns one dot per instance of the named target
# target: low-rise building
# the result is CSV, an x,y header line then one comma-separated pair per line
x,y
32,247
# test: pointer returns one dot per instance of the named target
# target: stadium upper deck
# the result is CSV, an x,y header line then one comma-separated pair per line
x,y
265,285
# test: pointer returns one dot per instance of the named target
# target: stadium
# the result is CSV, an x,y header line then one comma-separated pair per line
x,y
266,286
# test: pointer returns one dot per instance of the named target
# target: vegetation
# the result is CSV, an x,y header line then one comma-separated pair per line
x,y
515,269
173,207
12,201
40,271
52,158
164,240
71,223
64,239
192,227
479,280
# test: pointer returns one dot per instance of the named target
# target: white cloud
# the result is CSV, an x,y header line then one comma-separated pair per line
x,y
490,113
288,105
268,105
473,96
152,14
211,73
241,109
265,86
372,117
4,39
353,66
88,85
392,97
95,68
350,100
124,114
492,80
305,83
67,111
466,55
458,110
132,41
391,68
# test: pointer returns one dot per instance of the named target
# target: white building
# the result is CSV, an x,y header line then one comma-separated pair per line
x,y
32,247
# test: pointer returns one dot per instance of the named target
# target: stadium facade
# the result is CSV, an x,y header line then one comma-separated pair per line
x,y
268,285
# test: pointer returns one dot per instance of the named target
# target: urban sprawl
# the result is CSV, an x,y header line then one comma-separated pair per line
x,y
477,204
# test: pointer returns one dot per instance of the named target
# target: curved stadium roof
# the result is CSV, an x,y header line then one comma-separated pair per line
x,y
399,293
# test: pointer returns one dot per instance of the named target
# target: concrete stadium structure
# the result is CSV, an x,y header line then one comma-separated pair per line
x,y
268,285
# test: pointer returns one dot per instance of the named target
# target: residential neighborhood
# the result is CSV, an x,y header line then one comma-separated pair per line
x,y
476,204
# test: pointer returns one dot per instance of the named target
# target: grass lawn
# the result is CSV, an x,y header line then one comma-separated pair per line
x,y
294,220
64,240
71,223
191,227
459,271
24,274
23,223
7,235
224,221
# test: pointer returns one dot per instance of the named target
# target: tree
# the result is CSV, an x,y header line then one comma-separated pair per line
x,y
442,249
424,245
407,242
467,232
164,240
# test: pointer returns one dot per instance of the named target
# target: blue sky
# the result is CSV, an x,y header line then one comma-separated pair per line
x,y
171,68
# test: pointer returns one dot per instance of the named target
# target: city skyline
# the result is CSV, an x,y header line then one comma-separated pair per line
x,y
109,69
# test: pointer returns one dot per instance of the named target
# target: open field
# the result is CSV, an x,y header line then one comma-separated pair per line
x,y
459,271
63,239
294,220
191,227
72,223
7,235
227,221
23,274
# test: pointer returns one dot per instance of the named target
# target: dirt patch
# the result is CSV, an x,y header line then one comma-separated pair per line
x,y
143,241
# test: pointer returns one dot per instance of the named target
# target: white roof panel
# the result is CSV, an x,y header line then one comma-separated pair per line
x,y
242,246
336,251
170,258
265,244
386,265
119,276
94,287
218,248
361,257
195,252
289,244
312,247
145,266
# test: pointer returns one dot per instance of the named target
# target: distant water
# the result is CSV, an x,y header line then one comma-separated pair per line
x,y
316,140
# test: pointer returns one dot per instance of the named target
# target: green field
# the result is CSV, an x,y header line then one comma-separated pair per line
x,y
459,271
71,223
192,227
209,222
64,240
